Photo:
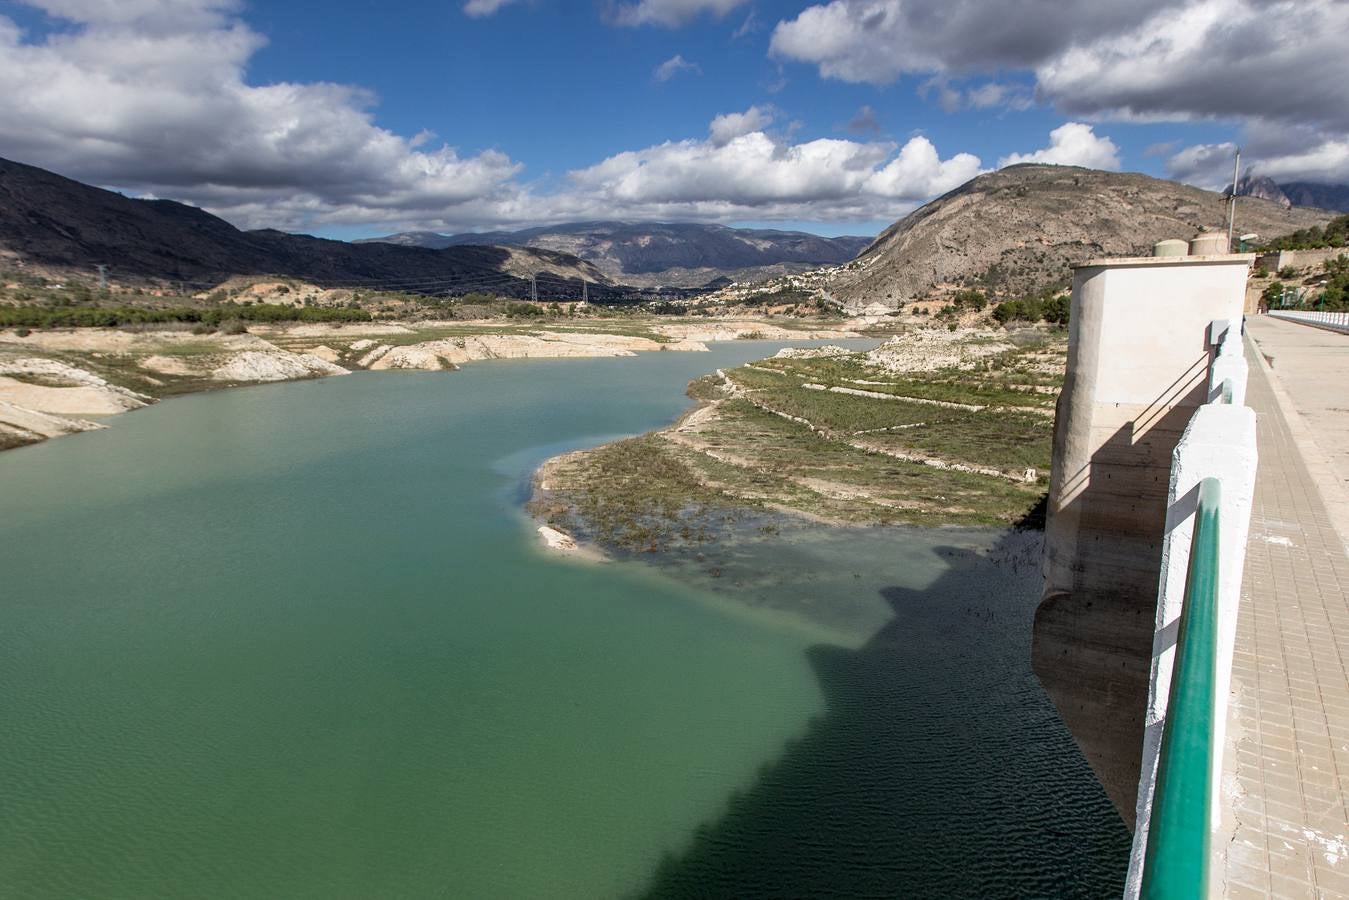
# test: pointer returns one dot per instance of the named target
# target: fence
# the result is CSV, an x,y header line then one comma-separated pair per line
x,y
1335,321
1207,520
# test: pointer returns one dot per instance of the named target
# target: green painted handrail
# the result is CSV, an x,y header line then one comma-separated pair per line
x,y
1176,863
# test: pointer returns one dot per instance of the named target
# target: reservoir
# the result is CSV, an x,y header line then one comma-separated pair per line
x,y
300,641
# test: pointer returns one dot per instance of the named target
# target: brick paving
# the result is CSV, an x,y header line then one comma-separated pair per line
x,y
1290,678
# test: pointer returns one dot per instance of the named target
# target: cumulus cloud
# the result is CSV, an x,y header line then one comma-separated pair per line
x,y
480,8
673,66
918,173
160,106
1258,63
1071,144
163,108
753,176
1205,165
727,127
670,13
877,41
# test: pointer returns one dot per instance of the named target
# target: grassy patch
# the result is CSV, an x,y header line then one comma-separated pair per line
x,y
684,485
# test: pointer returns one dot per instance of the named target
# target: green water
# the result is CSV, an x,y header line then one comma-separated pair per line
x,y
299,641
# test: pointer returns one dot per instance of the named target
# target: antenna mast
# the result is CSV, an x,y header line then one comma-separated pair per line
x,y
1232,201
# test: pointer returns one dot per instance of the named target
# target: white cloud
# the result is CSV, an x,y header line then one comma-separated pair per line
x,y
479,8
726,127
753,176
877,41
1071,144
1256,63
673,66
1205,165
164,109
670,13
161,107
917,173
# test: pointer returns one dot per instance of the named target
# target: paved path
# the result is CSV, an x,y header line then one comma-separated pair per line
x,y
1290,672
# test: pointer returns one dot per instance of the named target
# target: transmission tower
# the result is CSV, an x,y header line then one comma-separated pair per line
x,y
102,277
534,288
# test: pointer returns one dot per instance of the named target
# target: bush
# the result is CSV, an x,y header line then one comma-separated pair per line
x,y
234,326
975,300
22,332
67,316
1052,309
1335,234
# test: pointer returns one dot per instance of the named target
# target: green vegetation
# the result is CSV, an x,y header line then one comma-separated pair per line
x,y
784,296
1334,234
1052,309
858,461
112,316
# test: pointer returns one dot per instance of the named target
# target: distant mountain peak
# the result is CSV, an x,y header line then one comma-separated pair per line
x,y
699,252
1261,187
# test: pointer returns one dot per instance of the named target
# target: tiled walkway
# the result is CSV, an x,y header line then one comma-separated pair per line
x,y
1290,673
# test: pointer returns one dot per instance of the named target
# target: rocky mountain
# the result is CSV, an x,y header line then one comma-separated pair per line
x,y
1323,196
55,224
1020,228
1262,188
670,254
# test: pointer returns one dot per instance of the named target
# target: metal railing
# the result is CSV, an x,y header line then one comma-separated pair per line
x,y
1335,321
1176,863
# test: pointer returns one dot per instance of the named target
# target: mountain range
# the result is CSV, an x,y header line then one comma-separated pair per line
x,y
60,225
1295,193
1017,230
664,254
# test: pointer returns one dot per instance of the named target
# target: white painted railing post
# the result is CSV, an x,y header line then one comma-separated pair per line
x,y
1229,366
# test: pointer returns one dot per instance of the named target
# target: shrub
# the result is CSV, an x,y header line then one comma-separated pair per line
x,y
234,326
22,332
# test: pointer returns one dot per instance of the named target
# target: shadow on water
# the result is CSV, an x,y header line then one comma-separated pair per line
x,y
938,769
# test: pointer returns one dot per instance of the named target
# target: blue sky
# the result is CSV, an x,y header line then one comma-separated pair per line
x,y
352,118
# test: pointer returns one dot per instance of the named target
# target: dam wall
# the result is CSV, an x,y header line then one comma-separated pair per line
x,y
1139,355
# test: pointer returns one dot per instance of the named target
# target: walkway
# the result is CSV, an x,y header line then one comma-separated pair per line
x,y
1290,672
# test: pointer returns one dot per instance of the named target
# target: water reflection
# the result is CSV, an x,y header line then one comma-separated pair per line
x,y
939,768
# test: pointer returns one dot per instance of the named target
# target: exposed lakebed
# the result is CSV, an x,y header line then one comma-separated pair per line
x,y
299,640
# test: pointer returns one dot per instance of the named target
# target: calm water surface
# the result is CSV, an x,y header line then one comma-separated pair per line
x,y
298,641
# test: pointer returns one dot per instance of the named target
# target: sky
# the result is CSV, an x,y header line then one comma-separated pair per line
x,y
353,118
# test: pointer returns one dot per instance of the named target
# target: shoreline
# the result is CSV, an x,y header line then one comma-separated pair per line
x,y
52,381
759,448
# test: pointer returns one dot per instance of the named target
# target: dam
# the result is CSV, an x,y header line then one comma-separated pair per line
x,y
1194,622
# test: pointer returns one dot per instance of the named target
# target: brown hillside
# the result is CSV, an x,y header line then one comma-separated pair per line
x,y
1019,229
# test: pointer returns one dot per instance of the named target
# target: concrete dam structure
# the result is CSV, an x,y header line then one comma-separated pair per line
x,y
1140,347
